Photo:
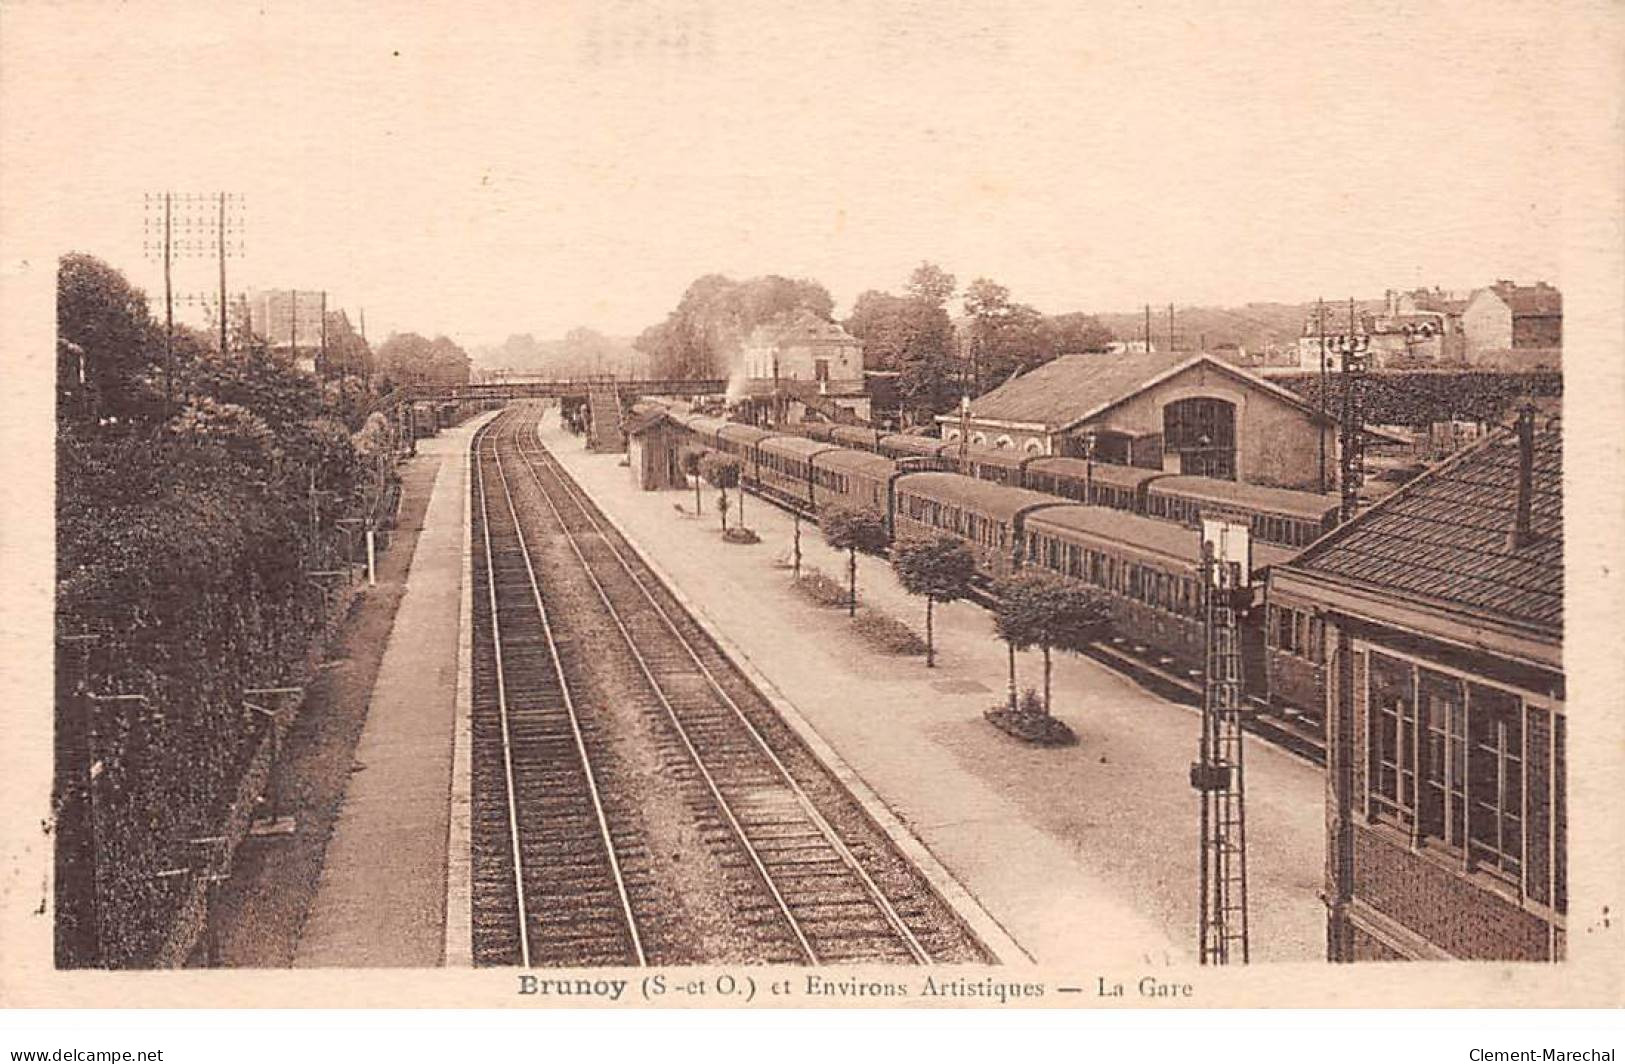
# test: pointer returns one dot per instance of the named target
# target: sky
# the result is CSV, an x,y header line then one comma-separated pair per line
x,y
480,169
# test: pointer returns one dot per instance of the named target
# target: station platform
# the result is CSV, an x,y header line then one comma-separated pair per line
x,y
381,898
1085,855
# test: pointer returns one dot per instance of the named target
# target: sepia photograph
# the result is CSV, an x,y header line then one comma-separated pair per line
x,y
673,503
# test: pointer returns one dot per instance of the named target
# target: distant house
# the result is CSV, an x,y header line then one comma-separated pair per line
x,y
1508,316
1439,614
1176,411
290,323
1394,335
806,358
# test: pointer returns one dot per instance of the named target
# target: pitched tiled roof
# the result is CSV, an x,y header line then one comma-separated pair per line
x,y
801,326
1444,538
1064,389
1069,389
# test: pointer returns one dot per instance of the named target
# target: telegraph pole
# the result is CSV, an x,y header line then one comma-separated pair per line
x,y
1148,328
1352,347
199,213
169,314
325,368
1170,326
222,242
1320,431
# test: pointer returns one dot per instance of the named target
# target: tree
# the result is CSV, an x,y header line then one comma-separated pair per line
x,y
703,335
108,348
931,285
897,330
1038,608
853,529
939,567
1070,334
348,355
721,471
690,458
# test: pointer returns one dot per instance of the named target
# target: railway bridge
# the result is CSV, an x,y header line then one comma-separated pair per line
x,y
557,388
401,404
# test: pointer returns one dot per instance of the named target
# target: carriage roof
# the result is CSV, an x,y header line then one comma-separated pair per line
x,y
1108,473
1251,497
849,461
795,446
1141,534
995,500
924,446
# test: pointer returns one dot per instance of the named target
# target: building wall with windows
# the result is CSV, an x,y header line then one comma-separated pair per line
x,y
1453,824
1438,614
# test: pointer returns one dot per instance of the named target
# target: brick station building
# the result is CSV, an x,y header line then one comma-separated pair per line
x,y
1440,615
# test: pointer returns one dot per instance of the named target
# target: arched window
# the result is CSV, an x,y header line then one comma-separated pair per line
x,y
951,434
979,439
1033,447
1004,443
1202,431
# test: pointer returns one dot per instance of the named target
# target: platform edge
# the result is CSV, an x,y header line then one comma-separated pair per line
x,y
1005,949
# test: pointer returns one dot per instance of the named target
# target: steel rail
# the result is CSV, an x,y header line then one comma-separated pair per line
x,y
502,695
877,896
575,722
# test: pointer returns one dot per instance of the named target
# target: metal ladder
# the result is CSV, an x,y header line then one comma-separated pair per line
x,y
1219,779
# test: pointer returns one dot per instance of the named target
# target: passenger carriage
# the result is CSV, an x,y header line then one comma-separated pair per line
x,y
1276,515
996,465
1118,487
909,446
740,441
853,478
988,517
703,428
856,437
784,468
819,430
1150,571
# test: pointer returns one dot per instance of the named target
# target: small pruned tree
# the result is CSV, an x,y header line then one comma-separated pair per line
x,y
721,471
1038,608
689,458
853,529
940,567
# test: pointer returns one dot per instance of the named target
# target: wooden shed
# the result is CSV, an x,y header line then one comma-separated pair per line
x,y
654,442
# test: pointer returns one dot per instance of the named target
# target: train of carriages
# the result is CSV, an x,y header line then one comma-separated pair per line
x,y
1127,532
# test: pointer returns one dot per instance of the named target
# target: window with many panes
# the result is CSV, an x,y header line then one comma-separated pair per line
x,y
1391,793
1496,777
1470,769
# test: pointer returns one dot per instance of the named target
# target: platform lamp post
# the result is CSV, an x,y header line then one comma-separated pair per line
x,y
1352,349
964,433
1088,467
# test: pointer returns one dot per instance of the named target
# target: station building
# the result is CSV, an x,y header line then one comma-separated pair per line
x,y
1178,411
806,361
1439,613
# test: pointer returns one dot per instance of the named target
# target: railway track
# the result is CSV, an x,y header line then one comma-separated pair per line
x,y
802,874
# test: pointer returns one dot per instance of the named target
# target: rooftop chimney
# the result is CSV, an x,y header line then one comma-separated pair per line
x,y
1522,533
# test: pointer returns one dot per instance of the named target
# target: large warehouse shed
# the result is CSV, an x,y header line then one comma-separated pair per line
x,y
1175,411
